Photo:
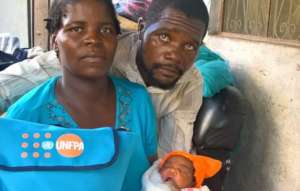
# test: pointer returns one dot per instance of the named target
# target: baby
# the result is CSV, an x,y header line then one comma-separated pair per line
x,y
180,171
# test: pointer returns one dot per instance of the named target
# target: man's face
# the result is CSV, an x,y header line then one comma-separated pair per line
x,y
169,47
178,171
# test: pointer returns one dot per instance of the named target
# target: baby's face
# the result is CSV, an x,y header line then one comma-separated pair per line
x,y
178,171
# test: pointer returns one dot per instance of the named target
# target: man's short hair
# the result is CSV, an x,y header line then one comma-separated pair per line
x,y
194,9
57,10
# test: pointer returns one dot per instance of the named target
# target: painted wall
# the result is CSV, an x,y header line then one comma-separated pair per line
x,y
269,77
207,2
13,19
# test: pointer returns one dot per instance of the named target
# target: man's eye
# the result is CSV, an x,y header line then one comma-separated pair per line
x,y
76,29
189,47
164,37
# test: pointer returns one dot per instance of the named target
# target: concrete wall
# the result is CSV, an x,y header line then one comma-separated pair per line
x,y
13,19
269,76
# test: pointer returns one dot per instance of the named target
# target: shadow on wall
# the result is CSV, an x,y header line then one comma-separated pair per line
x,y
249,169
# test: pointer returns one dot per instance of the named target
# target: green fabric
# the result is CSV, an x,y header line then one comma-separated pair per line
x,y
215,71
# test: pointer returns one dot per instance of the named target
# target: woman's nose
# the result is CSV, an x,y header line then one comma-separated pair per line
x,y
92,37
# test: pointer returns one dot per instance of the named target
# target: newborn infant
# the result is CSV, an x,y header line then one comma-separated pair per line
x,y
180,171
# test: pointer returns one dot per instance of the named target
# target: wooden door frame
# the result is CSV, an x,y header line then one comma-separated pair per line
x,y
37,12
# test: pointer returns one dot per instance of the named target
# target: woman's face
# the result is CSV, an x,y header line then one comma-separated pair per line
x,y
179,171
86,40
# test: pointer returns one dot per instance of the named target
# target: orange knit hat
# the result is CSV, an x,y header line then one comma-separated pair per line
x,y
205,167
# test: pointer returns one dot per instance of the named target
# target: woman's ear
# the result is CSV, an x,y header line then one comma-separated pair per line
x,y
141,27
53,44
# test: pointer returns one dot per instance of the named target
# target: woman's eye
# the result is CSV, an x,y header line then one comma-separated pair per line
x,y
106,30
189,47
77,29
164,37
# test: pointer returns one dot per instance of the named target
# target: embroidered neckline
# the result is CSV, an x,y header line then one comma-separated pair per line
x,y
58,114
124,99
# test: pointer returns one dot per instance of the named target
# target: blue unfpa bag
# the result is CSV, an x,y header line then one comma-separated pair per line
x,y
42,157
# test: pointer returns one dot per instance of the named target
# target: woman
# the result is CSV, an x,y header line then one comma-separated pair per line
x,y
84,35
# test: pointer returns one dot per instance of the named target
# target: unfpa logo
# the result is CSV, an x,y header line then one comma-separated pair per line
x,y
69,145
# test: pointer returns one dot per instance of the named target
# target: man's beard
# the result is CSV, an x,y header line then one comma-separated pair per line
x,y
163,85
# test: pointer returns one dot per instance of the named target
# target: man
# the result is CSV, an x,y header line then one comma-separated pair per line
x,y
160,56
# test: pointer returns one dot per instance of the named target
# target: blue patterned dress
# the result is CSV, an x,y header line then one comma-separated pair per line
x,y
134,112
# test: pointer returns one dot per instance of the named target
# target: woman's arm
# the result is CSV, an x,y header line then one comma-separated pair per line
x,y
149,127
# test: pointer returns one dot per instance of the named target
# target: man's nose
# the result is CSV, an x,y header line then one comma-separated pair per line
x,y
173,54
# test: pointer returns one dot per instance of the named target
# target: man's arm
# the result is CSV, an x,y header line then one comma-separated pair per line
x,y
176,127
21,77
